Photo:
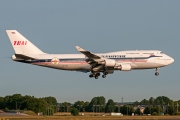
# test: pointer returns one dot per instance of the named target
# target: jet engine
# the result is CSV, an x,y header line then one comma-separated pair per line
x,y
125,67
107,63
110,63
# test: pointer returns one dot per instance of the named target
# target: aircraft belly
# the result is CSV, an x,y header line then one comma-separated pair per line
x,y
74,66
147,65
66,66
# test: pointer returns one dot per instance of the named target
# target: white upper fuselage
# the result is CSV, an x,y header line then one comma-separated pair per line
x,y
138,59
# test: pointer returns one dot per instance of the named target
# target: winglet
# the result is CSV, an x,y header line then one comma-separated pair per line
x,y
79,49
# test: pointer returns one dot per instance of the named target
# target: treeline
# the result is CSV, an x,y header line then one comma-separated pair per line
x,y
19,102
49,105
155,106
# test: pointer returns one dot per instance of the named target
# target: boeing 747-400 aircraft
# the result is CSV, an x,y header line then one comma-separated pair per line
x,y
95,63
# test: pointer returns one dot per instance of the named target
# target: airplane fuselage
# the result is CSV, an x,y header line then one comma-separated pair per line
x,y
147,59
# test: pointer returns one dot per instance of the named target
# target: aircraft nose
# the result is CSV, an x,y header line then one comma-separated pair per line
x,y
172,60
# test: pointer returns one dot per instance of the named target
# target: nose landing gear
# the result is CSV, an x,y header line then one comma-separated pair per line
x,y
157,73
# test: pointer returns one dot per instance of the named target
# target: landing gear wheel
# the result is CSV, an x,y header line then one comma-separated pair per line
x,y
91,75
156,73
103,76
105,73
96,76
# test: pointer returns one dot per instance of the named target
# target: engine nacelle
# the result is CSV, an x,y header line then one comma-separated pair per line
x,y
110,63
125,67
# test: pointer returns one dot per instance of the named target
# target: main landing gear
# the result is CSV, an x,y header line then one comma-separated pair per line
x,y
96,75
157,73
104,74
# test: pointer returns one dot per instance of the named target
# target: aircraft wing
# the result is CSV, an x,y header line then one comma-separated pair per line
x,y
92,58
87,53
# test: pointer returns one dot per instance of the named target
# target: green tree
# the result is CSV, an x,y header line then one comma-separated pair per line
x,y
154,114
166,99
131,110
50,100
94,101
147,110
136,103
92,104
1,103
128,110
144,102
158,109
151,101
52,104
110,106
162,100
74,112
79,105
36,105
41,106
170,110
13,101
65,106
138,111
101,100
157,101
86,105
17,101
97,104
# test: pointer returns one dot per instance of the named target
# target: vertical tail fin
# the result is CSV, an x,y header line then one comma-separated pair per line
x,y
22,45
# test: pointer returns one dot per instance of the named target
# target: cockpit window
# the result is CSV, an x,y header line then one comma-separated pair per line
x,y
161,52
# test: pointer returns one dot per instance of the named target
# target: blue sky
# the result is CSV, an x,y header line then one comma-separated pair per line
x,y
57,26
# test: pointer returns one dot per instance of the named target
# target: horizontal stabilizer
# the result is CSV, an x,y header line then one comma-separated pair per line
x,y
24,57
